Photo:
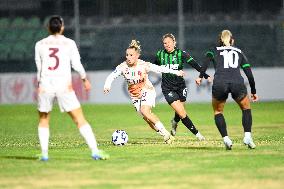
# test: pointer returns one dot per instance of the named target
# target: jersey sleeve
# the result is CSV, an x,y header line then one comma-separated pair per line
x,y
76,61
161,69
190,60
247,70
112,76
209,57
158,58
38,60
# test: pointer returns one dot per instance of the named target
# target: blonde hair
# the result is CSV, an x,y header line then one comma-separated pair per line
x,y
170,36
225,34
135,45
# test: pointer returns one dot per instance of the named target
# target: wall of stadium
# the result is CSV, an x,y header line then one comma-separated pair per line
x,y
20,88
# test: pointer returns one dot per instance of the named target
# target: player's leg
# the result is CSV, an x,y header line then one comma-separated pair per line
x,y
152,125
69,103
181,94
156,123
45,102
239,94
220,93
218,107
43,134
179,108
147,102
246,121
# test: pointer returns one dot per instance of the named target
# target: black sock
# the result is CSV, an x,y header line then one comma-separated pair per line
x,y
221,124
188,123
176,118
247,120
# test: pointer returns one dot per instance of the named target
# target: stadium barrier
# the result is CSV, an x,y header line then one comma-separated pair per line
x,y
20,88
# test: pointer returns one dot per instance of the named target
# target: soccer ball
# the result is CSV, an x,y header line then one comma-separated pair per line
x,y
119,137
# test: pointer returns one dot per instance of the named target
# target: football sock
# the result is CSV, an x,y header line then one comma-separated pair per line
x,y
248,134
88,135
176,118
221,124
160,127
247,120
43,135
188,123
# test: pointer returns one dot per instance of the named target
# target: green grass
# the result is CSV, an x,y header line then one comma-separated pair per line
x,y
146,162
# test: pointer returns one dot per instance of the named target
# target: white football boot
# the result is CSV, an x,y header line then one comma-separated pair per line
x,y
199,136
228,143
249,142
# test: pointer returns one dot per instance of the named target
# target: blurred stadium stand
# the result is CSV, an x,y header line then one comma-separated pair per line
x,y
107,27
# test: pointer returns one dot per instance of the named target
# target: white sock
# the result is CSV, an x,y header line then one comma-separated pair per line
x,y
226,138
248,134
43,135
161,129
87,133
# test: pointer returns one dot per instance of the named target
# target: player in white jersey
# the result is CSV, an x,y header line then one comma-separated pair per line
x,y
54,57
141,91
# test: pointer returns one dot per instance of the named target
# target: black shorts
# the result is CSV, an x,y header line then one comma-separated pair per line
x,y
220,91
174,95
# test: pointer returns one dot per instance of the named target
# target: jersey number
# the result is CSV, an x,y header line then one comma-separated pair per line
x,y
231,58
53,55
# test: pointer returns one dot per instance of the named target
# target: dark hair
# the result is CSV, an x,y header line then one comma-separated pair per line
x,y
55,23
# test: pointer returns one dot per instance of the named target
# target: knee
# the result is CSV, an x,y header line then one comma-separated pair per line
x,y
216,112
182,114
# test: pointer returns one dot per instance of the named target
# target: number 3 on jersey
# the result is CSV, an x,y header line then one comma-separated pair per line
x,y
53,55
231,58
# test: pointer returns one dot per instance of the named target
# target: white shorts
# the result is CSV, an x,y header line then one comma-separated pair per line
x,y
148,98
67,101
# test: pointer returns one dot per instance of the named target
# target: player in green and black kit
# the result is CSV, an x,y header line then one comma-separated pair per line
x,y
173,87
227,60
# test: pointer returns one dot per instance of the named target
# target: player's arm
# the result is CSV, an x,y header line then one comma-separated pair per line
x,y
162,69
247,70
76,62
110,78
78,67
38,62
157,59
190,60
209,57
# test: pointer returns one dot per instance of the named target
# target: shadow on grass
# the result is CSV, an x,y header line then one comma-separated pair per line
x,y
19,157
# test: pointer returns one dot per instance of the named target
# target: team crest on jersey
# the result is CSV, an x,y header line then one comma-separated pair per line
x,y
171,94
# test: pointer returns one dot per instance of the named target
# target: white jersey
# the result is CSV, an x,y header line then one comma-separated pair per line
x,y
137,76
54,57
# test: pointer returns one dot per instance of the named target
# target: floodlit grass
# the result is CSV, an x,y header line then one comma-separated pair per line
x,y
146,162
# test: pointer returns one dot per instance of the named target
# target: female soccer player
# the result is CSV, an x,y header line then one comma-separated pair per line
x,y
142,93
173,87
227,61
54,57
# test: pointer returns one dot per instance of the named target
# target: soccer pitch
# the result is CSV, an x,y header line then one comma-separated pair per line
x,y
146,162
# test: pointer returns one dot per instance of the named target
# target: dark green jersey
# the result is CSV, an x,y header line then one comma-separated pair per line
x,y
174,60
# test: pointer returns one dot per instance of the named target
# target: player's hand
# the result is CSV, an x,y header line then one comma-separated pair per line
x,y
209,79
87,84
180,73
106,90
198,81
254,97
